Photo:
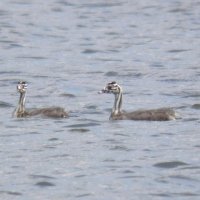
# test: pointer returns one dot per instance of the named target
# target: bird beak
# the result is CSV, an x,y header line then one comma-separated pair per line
x,y
100,92
104,90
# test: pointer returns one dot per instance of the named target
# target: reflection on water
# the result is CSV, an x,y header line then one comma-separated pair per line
x,y
67,51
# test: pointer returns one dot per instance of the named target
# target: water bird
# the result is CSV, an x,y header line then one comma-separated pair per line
x,y
21,111
161,114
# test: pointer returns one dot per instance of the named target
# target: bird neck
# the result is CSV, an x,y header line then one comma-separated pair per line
x,y
117,104
21,105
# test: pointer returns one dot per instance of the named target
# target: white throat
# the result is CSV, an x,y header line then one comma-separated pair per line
x,y
21,105
117,103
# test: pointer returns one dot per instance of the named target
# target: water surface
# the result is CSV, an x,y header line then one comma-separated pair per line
x,y
67,51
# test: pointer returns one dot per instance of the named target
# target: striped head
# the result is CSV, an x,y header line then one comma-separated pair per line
x,y
21,86
112,88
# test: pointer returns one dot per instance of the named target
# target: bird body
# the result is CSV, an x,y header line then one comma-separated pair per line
x,y
21,111
54,112
160,114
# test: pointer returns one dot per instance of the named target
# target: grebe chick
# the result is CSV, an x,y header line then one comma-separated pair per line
x,y
20,111
161,114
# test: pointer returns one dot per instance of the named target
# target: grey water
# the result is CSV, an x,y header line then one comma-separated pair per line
x,y
67,51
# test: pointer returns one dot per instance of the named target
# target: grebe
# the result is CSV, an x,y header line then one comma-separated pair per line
x,y
20,111
161,114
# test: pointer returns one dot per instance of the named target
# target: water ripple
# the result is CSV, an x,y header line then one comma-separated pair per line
x,y
80,130
32,57
41,177
178,50
5,104
172,164
83,125
44,184
182,177
181,194
101,5
11,193
83,195
91,51
196,106
111,73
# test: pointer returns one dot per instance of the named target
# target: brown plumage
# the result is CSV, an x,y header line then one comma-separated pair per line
x,y
161,114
